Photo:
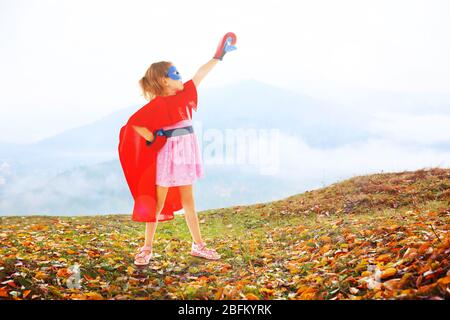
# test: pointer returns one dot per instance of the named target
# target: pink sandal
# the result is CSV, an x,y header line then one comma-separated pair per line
x,y
200,250
144,256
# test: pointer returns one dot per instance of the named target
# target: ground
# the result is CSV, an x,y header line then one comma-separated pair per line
x,y
381,236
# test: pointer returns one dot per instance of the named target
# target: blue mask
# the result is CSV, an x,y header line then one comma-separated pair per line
x,y
173,73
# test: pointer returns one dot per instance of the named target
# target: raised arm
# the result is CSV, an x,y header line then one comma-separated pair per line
x,y
203,71
225,45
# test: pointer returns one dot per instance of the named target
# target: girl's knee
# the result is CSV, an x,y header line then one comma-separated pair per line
x,y
189,207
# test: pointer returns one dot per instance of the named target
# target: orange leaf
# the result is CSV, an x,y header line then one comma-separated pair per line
x,y
40,275
94,296
251,296
423,248
218,294
325,238
63,273
37,227
266,291
168,280
445,280
225,268
408,291
292,267
130,270
384,257
26,293
426,289
303,289
77,296
389,272
93,254
306,293
3,292
325,248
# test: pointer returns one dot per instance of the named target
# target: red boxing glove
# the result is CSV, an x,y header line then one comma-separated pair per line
x,y
226,45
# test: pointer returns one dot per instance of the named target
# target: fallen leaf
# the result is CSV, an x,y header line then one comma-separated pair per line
x,y
251,296
384,257
94,296
3,292
26,293
444,280
63,273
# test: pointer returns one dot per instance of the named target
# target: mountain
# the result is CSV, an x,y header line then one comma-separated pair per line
x,y
102,188
246,104
253,104
78,170
71,171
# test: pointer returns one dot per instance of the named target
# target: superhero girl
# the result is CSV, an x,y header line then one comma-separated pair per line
x,y
159,151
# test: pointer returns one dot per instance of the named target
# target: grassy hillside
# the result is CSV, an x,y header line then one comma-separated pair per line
x,y
382,236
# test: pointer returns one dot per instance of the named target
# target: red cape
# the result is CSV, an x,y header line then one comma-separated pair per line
x,y
138,159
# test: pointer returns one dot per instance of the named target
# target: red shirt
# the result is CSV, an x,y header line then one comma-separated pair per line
x,y
138,160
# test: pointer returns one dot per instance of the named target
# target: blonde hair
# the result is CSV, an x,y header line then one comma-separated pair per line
x,y
151,83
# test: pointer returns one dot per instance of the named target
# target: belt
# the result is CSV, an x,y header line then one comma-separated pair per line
x,y
172,133
175,132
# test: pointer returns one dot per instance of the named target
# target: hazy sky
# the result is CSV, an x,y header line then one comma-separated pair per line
x,y
65,63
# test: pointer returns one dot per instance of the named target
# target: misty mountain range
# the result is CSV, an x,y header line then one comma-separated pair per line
x,y
78,171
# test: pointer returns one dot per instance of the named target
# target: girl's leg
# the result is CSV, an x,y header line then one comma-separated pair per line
x,y
187,199
199,248
150,227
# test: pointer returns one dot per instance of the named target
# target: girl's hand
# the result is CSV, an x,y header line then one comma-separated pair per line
x,y
150,136
226,45
145,133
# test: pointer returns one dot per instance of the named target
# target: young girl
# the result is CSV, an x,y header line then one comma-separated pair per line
x,y
175,148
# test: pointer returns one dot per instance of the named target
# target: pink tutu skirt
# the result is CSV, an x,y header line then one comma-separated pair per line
x,y
179,161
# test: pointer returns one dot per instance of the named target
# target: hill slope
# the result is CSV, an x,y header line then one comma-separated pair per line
x,y
382,236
